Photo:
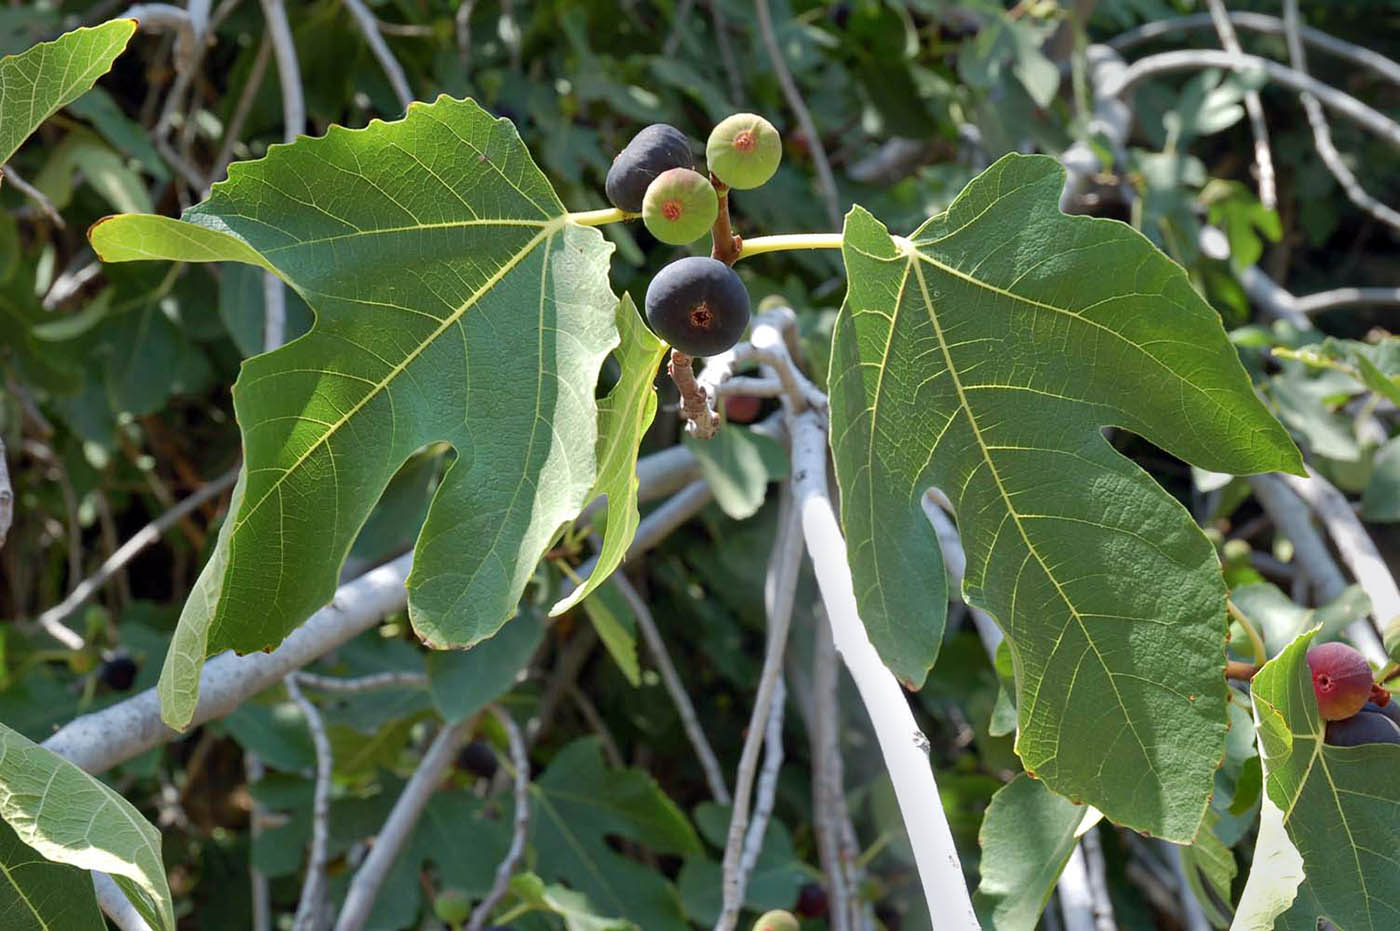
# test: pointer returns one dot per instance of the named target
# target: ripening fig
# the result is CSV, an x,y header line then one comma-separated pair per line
x,y
811,900
698,305
743,151
680,206
478,758
776,920
741,408
1367,727
452,906
1341,680
118,672
651,151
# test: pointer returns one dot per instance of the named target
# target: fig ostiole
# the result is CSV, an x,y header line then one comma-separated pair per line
x,y
655,149
1341,680
698,305
743,151
680,206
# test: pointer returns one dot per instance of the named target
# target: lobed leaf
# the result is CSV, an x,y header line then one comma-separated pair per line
x,y
455,302
984,355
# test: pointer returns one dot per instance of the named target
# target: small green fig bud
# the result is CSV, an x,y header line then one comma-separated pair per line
x,y
452,906
1341,680
680,206
744,150
776,920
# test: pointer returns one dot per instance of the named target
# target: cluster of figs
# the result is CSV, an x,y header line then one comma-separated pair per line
x,y
697,304
1356,710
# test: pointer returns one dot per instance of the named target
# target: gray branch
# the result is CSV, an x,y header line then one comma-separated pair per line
x,y
520,760
392,69
313,890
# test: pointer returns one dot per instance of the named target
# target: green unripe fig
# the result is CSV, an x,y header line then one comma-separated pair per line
x,y
452,906
680,206
698,305
744,150
776,920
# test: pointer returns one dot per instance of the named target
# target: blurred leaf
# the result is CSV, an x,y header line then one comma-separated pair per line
x,y
573,907
1027,837
1210,870
616,625
462,682
98,108
739,463
243,308
1381,500
1280,619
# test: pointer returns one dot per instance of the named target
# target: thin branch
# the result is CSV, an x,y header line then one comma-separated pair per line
x,y
463,21
1098,880
670,678
673,40
1194,60
726,53
359,899
695,407
1076,897
128,551
595,722
903,746
828,780
382,53
1263,157
313,890
826,181
1322,132
1194,917
358,686
1290,516
96,742
7,496
41,199
520,762
279,30
262,901
1346,297
115,905
246,97
767,784
274,312
1272,25
779,590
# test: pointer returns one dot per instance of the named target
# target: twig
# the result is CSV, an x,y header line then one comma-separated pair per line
x,y
673,40
826,181
566,669
1344,297
1357,548
779,590
288,71
520,761
902,744
246,97
115,905
358,686
143,538
1076,898
158,17
1194,916
39,197
935,504
1197,59
96,742
1290,516
1098,880
7,496
382,53
595,722
313,890
359,899
274,312
1322,132
828,782
463,21
690,721
1272,25
1263,158
767,784
262,901
726,53
695,407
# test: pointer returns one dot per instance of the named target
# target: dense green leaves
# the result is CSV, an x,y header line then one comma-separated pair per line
x,y
70,817
455,303
36,82
984,355
1340,805
40,895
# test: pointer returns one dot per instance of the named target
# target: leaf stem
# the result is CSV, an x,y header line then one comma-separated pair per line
x,y
790,241
1261,654
600,217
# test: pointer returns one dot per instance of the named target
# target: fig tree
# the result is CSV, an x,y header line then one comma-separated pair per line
x,y
1341,680
1367,727
743,151
452,906
698,305
652,151
776,920
680,206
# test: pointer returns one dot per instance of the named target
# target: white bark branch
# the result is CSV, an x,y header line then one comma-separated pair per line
x,y
7,496
371,683
1263,157
1346,297
313,889
359,899
116,906
902,744
382,53
520,760
767,784
829,812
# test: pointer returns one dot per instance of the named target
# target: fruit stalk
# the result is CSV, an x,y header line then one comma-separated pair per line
x,y
695,407
727,247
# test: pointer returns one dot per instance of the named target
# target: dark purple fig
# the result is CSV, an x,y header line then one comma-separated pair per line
x,y
698,305
655,149
478,758
1390,709
118,672
811,901
1366,727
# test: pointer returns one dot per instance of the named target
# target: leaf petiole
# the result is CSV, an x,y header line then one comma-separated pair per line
x,y
1261,654
601,217
786,243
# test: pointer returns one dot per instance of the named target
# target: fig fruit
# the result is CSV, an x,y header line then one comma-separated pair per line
x,y
118,672
698,305
680,206
776,920
1341,680
1390,710
452,906
478,758
743,151
1366,727
811,901
651,151
742,408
